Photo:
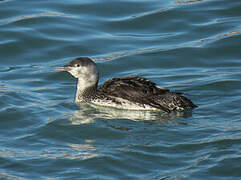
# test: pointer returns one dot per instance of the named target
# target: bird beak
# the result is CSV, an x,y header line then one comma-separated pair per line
x,y
65,68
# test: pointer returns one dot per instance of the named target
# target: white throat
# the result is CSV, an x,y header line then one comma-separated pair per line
x,y
88,77
86,87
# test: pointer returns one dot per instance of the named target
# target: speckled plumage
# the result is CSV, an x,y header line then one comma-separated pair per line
x,y
131,92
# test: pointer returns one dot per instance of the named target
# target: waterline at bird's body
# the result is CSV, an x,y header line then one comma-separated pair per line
x,y
133,92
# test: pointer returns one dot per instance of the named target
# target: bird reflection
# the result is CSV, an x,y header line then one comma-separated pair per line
x,y
90,113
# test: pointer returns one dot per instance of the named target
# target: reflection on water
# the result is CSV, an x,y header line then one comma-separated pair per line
x,y
89,113
45,14
84,150
191,46
224,35
160,48
5,175
188,1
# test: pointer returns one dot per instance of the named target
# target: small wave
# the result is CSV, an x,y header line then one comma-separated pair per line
x,y
7,41
229,19
188,2
25,17
221,36
144,50
150,12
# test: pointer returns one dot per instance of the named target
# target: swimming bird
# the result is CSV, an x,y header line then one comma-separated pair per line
x,y
132,92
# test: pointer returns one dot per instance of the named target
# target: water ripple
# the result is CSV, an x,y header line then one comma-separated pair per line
x,y
191,46
149,13
188,1
220,36
33,16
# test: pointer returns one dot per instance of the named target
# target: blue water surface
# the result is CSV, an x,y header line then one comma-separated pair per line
x,y
189,46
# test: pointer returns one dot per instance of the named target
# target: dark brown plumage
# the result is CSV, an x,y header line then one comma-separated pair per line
x,y
131,92
143,91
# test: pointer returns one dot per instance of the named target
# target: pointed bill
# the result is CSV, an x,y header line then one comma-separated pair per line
x,y
62,68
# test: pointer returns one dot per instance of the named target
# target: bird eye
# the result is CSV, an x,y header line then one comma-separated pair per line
x,y
77,65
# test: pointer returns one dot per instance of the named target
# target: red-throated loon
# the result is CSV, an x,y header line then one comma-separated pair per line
x,y
132,92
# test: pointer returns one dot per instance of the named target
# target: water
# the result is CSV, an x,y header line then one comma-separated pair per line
x,y
191,46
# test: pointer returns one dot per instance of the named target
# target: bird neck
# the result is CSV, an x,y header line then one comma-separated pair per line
x,y
86,90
